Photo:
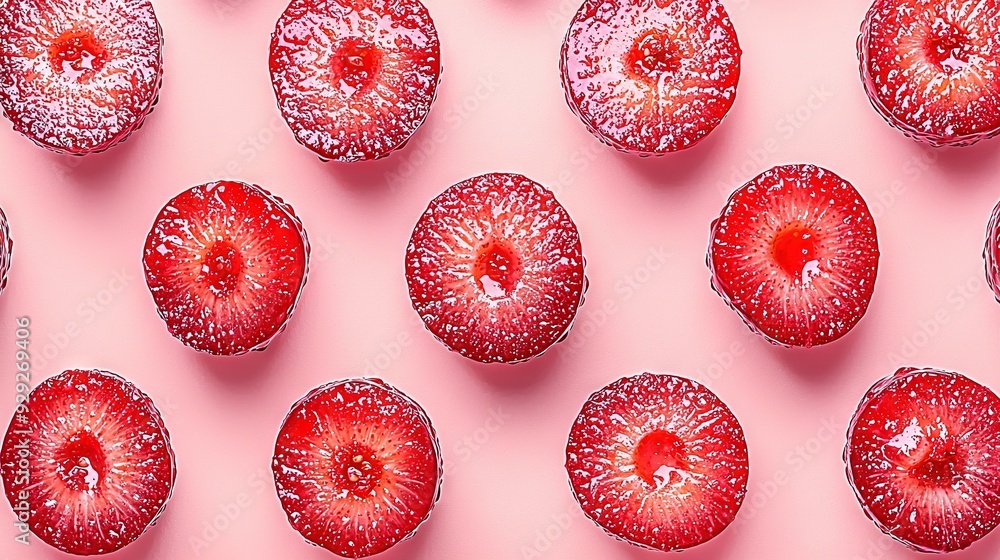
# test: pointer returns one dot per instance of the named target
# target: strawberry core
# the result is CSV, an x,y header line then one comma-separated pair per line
x,y
356,64
795,252
357,470
940,468
81,462
222,267
77,54
497,269
660,458
947,47
652,55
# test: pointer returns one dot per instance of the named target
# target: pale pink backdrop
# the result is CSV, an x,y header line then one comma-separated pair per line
x,y
79,227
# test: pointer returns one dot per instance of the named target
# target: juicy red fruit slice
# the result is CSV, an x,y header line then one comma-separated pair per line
x,y
78,77
932,68
495,269
226,263
6,250
355,79
922,458
357,466
992,252
658,461
795,253
93,458
651,77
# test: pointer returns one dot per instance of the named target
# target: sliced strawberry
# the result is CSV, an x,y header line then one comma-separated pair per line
x,y
795,254
87,463
651,77
495,268
6,250
226,263
922,458
355,78
932,67
658,461
992,252
357,466
79,76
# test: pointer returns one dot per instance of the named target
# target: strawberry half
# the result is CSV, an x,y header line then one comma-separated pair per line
x,y
87,463
79,76
992,252
648,76
932,68
495,269
922,458
6,250
357,467
795,254
355,78
658,461
226,263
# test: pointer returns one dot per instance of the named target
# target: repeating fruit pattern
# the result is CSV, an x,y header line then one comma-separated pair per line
x,y
495,271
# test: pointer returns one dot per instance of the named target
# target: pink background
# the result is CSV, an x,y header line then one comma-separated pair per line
x,y
79,226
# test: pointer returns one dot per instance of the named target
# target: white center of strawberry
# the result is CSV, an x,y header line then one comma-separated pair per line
x,y
497,269
81,462
660,459
357,470
929,454
90,476
222,267
794,250
947,47
652,55
356,65
941,469
77,54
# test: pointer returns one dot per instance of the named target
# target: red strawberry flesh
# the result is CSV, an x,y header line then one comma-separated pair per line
x,y
651,77
79,77
100,468
78,52
357,467
923,457
226,263
992,252
658,461
495,269
795,253
355,79
6,250
932,68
